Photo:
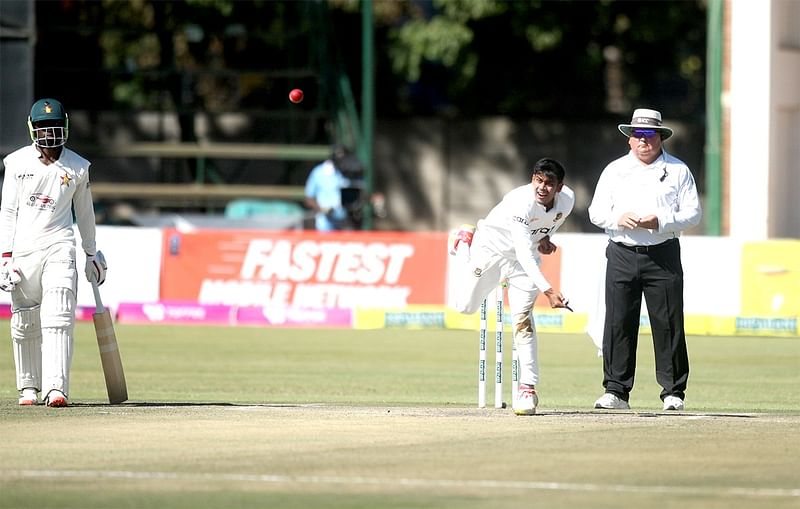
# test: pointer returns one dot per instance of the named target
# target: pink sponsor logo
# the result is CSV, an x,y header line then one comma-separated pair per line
x,y
167,312
176,313
294,317
41,198
41,201
84,313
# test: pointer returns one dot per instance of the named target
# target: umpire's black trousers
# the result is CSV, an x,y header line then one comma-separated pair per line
x,y
657,272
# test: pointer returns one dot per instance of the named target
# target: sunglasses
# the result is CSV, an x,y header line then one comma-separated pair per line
x,y
644,133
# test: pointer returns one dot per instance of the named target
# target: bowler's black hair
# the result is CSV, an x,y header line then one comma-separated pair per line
x,y
549,168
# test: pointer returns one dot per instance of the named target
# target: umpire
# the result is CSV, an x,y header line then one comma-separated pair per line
x,y
644,200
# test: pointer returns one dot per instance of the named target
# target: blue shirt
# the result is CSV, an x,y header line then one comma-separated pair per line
x,y
325,184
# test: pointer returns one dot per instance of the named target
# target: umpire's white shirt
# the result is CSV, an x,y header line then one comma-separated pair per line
x,y
665,188
514,227
37,202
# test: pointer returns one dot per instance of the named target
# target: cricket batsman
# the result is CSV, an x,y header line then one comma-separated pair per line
x,y
43,182
507,246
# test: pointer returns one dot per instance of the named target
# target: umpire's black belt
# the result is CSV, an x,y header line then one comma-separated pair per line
x,y
647,249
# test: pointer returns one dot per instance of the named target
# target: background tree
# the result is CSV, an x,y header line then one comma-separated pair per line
x,y
569,58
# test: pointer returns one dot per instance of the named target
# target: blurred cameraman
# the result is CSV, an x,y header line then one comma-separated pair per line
x,y
334,190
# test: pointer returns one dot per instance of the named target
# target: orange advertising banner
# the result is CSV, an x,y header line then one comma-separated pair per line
x,y
308,269
304,269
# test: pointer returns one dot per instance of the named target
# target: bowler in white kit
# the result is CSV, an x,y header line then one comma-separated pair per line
x,y
43,183
506,247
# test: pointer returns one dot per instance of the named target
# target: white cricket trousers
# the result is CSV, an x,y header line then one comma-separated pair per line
x,y
474,273
43,318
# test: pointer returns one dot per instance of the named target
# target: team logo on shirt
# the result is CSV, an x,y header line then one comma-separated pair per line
x,y
558,216
41,201
65,179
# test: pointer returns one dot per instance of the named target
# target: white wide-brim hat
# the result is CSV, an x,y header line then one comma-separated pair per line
x,y
645,119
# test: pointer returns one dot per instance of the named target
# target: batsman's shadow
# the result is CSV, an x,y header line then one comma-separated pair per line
x,y
180,404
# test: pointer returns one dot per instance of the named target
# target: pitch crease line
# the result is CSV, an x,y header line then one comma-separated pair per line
x,y
436,483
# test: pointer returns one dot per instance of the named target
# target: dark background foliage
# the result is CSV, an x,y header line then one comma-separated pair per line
x,y
457,58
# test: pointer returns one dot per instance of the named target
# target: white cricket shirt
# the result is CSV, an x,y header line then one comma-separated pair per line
x,y
664,188
514,227
37,202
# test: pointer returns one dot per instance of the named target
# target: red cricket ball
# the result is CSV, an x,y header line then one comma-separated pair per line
x,y
296,95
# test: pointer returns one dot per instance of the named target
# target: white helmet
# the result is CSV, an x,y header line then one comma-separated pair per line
x,y
48,123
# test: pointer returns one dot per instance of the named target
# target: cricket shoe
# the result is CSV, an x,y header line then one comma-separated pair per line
x,y
464,234
28,397
56,398
673,403
526,400
611,402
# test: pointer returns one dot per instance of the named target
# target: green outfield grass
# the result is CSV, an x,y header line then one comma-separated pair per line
x,y
247,417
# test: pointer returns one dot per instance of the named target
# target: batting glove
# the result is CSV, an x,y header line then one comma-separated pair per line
x,y
96,268
10,275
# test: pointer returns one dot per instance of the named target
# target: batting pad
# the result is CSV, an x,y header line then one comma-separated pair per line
x,y
58,324
26,335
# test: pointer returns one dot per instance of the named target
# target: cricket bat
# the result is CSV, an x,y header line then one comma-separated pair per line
x,y
109,351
